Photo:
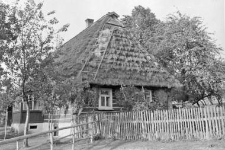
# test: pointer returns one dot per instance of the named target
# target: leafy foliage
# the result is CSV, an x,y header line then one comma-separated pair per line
x,y
28,54
141,20
5,100
184,47
134,99
131,98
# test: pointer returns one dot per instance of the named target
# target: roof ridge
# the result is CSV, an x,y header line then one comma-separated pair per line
x,y
86,60
120,63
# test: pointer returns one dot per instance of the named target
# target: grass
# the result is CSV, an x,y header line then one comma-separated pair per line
x,y
112,144
109,144
10,133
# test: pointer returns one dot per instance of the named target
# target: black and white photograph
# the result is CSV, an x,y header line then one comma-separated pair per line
x,y
112,74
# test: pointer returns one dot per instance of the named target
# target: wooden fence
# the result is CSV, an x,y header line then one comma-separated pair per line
x,y
176,124
51,137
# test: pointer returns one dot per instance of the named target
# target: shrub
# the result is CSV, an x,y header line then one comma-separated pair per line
x,y
98,137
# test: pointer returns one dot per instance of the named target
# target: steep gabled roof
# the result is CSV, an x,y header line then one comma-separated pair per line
x,y
106,53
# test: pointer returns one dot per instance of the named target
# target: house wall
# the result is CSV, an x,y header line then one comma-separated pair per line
x,y
33,127
66,131
162,98
116,106
35,116
36,121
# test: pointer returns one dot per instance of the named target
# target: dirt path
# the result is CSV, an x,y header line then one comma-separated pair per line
x,y
128,145
147,145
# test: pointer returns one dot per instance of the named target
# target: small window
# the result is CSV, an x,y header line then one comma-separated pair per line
x,y
33,127
148,95
105,99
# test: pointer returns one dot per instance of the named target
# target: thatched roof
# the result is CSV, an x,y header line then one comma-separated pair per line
x,y
107,54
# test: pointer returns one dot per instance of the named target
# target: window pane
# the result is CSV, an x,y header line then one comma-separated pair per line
x,y
107,101
102,101
148,95
104,92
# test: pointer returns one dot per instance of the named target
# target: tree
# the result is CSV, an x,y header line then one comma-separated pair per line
x,y
6,90
6,100
185,48
141,20
131,98
25,55
188,51
5,27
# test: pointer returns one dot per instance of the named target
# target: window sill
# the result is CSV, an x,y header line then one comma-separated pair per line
x,y
104,108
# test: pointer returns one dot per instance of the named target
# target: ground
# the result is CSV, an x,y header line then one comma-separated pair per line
x,y
10,133
109,144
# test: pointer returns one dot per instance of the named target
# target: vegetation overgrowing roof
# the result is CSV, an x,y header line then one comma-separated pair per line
x,y
106,53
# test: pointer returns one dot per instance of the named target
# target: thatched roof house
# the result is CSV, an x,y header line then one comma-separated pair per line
x,y
106,54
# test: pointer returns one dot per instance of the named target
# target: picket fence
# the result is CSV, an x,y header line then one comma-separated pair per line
x,y
176,124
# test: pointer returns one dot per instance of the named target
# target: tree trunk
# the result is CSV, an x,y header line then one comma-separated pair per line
x,y
25,142
6,120
49,117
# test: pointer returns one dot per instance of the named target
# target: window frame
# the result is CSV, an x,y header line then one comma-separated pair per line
x,y
148,97
33,104
100,107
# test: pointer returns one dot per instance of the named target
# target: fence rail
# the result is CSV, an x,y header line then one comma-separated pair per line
x,y
176,124
194,123
17,139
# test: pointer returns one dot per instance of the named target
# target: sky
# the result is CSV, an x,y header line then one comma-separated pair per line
x,y
75,12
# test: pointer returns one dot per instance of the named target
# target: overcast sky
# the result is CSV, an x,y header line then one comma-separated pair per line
x,y
75,12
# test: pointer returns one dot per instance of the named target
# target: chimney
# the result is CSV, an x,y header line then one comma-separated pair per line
x,y
89,22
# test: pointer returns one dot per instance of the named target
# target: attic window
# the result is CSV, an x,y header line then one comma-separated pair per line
x,y
105,99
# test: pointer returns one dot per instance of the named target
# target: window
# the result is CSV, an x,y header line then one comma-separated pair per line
x,y
105,99
33,127
33,105
148,95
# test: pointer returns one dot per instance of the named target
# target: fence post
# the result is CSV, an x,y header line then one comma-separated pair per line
x,y
91,137
206,122
87,125
17,145
73,132
51,141
73,144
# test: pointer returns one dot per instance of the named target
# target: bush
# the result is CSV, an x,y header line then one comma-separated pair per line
x,y
2,119
98,137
